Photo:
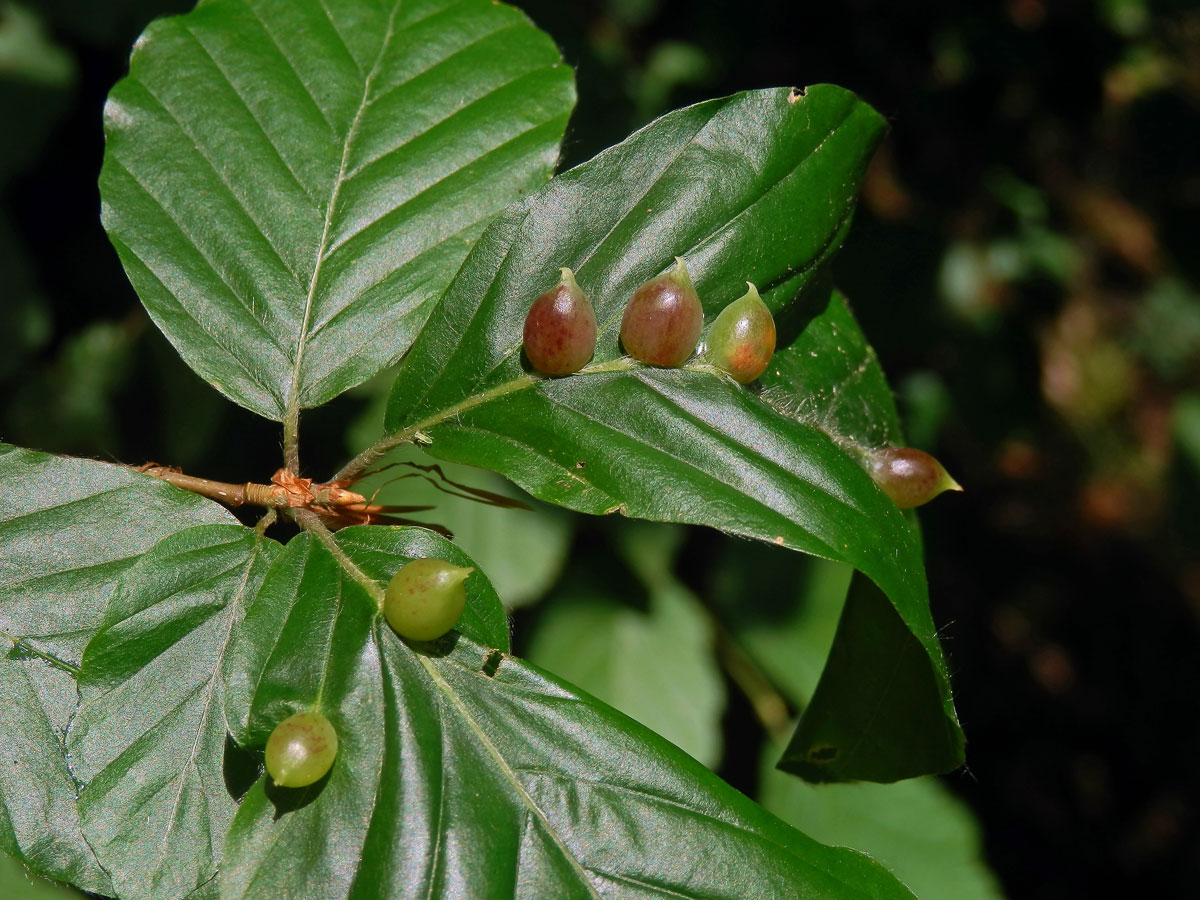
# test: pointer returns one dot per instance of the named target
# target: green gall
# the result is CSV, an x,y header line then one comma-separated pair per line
x,y
741,341
560,329
663,320
301,750
425,599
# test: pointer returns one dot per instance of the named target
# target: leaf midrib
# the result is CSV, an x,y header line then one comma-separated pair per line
x,y
376,591
292,403
510,776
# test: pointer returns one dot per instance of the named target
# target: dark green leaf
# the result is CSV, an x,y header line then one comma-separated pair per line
x,y
297,618
916,828
463,774
877,714
68,529
759,186
149,737
290,185
521,550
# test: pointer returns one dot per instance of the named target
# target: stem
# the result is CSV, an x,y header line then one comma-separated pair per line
x,y
267,520
310,521
355,468
291,436
230,494
768,704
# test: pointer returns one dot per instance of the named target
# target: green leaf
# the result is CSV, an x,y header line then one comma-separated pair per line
x,y
39,821
877,714
149,737
291,185
68,529
17,883
655,665
301,607
687,445
916,828
461,773
789,627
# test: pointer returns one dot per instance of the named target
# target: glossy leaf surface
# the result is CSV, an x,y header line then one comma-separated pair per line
x,y
462,773
689,445
149,738
68,529
290,185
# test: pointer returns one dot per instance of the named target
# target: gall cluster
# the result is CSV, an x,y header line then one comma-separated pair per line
x,y
661,326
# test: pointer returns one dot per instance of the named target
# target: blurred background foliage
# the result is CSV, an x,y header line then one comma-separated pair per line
x,y
1024,261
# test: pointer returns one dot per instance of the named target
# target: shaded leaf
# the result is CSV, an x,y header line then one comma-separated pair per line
x,y
789,627
655,665
458,776
290,186
916,828
18,883
68,529
149,737
876,715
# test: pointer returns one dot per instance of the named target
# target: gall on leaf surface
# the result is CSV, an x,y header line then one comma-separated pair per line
x,y
687,445
463,772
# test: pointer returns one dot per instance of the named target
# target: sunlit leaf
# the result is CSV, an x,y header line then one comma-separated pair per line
x,y
462,773
290,185
68,529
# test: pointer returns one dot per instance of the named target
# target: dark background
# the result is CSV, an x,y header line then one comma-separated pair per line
x,y
1024,261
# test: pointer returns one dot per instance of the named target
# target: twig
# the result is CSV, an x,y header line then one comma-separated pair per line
x,y
768,704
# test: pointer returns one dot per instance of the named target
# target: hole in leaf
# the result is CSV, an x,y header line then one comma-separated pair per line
x,y
240,767
822,754
492,663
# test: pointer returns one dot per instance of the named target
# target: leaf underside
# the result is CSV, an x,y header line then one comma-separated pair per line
x,y
290,187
